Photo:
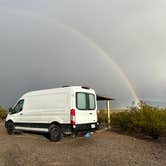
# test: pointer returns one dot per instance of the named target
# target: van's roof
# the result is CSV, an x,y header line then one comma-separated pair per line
x,y
55,90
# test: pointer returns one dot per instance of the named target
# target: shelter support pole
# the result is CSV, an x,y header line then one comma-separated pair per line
x,y
108,113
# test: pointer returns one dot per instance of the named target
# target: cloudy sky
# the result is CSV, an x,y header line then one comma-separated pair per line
x,y
47,44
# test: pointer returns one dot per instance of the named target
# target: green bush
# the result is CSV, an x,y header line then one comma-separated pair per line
x,y
3,113
149,121
102,116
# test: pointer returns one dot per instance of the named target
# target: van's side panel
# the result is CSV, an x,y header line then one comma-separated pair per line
x,y
59,112
47,108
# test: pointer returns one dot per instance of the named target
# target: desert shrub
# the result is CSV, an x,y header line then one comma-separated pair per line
x,y
148,121
152,121
102,116
3,113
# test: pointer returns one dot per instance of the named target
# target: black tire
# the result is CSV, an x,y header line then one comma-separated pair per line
x,y
55,133
10,127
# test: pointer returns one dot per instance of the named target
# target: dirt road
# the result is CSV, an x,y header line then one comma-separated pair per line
x,y
102,149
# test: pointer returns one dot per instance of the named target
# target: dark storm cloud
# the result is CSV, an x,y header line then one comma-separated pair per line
x,y
38,53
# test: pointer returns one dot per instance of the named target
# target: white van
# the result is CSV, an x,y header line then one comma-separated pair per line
x,y
56,111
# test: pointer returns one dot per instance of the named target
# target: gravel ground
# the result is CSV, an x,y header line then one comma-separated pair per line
x,y
102,149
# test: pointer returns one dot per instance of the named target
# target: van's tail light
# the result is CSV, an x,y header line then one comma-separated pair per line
x,y
72,116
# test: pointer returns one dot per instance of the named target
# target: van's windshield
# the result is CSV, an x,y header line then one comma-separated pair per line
x,y
85,101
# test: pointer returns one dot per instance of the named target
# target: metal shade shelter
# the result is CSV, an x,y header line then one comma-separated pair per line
x,y
103,98
107,99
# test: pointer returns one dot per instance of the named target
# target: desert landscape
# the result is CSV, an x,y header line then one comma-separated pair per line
x,y
103,148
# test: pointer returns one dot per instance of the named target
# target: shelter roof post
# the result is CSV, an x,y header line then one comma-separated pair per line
x,y
108,113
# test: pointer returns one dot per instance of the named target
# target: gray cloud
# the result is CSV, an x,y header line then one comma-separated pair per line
x,y
36,52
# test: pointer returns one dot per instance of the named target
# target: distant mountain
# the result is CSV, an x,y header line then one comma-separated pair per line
x,y
156,103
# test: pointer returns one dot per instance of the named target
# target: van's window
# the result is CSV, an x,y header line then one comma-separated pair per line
x,y
18,108
81,101
91,101
85,101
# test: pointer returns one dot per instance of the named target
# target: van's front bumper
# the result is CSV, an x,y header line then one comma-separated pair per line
x,y
86,127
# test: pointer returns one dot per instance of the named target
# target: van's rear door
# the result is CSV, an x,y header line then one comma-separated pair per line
x,y
86,109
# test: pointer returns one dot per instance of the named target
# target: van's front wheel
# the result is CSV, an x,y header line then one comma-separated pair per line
x,y
55,133
10,127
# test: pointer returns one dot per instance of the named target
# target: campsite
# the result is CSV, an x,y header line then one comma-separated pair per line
x,y
82,83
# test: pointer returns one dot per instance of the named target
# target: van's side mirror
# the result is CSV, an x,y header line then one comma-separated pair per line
x,y
10,110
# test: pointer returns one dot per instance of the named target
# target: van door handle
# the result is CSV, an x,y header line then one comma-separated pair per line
x,y
21,113
90,113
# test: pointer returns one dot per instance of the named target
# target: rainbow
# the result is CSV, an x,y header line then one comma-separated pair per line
x,y
88,40
102,52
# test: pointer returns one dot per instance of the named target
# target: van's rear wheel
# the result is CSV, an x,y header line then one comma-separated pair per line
x,y
10,127
55,133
